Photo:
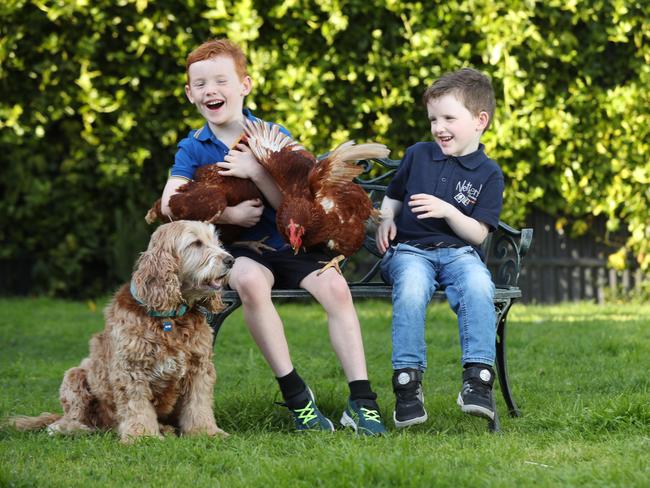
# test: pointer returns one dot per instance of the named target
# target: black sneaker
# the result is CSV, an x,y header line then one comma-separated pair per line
x,y
475,397
409,400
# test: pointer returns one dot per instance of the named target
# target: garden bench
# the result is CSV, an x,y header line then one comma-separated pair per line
x,y
503,250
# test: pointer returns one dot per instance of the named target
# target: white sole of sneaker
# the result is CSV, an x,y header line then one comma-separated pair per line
x,y
475,410
346,421
400,424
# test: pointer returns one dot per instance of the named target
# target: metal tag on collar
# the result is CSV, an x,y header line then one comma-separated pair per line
x,y
167,326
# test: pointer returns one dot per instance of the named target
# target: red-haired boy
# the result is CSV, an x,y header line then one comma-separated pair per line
x,y
217,83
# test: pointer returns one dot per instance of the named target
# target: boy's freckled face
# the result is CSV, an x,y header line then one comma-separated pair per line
x,y
453,127
217,90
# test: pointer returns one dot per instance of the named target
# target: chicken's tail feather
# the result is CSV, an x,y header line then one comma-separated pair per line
x,y
349,151
154,214
375,215
264,139
25,423
340,163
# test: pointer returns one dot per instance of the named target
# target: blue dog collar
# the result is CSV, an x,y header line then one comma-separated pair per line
x,y
155,313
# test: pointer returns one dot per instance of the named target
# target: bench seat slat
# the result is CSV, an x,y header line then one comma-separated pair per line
x,y
378,290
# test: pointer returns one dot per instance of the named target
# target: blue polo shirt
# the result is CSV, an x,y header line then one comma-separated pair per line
x,y
202,147
472,183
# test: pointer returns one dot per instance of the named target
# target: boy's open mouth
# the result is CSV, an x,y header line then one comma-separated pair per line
x,y
445,138
216,105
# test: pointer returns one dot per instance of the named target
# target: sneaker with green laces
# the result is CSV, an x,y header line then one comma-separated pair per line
x,y
309,418
364,417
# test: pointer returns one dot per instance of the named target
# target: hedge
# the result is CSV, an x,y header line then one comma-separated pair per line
x,y
93,105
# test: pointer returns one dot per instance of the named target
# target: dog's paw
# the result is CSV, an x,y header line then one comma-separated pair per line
x,y
132,439
217,432
167,429
67,427
131,432
212,431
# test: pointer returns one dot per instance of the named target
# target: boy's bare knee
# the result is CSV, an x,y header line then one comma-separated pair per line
x,y
335,289
250,285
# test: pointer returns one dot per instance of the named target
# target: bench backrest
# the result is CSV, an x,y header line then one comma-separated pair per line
x,y
503,249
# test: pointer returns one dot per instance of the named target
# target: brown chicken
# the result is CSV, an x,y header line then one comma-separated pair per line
x,y
205,198
321,205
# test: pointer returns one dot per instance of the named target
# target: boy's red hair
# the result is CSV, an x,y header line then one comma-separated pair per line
x,y
218,47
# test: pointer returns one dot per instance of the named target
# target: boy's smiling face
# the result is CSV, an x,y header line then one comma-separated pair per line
x,y
217,91
453,127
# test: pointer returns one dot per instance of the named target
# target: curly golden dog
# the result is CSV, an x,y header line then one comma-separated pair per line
x,y
152,365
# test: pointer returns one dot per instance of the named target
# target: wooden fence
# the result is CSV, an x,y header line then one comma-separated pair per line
x,y
559,268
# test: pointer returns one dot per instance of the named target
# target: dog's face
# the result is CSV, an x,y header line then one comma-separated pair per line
x,y
203,263
184,263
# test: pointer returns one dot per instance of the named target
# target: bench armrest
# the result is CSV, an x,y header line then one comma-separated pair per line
x,y
504,250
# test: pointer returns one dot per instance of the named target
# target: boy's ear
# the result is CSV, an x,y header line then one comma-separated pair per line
x,y
248,85
187,93
482,120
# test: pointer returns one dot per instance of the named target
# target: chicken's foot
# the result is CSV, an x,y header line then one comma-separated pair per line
x,y
257,246
214,218
334,263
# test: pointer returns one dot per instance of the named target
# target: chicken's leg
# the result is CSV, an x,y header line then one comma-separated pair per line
x,y
257,246
334,263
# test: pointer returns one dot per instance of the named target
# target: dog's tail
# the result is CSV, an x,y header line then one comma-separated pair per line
x,y
24,423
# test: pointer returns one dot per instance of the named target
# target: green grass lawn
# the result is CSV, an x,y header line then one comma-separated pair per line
x,y
579,374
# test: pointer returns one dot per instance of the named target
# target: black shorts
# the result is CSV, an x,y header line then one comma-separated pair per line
x,y
288,269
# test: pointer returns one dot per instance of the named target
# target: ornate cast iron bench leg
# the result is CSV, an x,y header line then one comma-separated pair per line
x,y
215,320
502,309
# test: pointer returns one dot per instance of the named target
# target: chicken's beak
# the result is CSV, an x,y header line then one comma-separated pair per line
x,y
296,244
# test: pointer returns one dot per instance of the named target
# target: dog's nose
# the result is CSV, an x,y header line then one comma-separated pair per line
x,y
228,261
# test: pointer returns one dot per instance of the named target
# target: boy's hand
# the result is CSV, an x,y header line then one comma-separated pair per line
x,y
385,233
244,214
240,163
428,206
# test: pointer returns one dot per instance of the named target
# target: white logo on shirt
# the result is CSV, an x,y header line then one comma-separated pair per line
x,y
467,193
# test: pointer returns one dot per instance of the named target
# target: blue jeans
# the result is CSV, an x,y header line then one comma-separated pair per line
x,y
415,275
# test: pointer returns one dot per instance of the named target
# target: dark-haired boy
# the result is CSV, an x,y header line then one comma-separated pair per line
x,y
439,207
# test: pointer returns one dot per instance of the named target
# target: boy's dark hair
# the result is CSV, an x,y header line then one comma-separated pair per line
x,y
471,87
218,47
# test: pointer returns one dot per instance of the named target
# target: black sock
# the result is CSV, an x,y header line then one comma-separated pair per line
x,y
478,365
294,390
360,390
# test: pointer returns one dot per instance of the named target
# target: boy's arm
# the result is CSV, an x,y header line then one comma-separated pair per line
x,y
171,187
241,163
467,228
387,230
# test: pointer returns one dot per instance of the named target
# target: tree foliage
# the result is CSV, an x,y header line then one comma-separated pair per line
x,y
93,105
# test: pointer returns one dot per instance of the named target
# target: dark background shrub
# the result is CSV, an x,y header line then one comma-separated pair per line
x,y
93,105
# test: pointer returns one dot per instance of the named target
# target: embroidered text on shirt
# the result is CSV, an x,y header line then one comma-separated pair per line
x,y
467,193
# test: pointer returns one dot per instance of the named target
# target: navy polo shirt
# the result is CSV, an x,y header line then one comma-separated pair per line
x,y
202,147
472,183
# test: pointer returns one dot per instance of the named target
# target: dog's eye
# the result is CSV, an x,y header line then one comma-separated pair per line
x,y
197,243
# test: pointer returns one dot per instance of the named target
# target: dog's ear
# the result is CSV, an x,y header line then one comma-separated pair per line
x,y
155,277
